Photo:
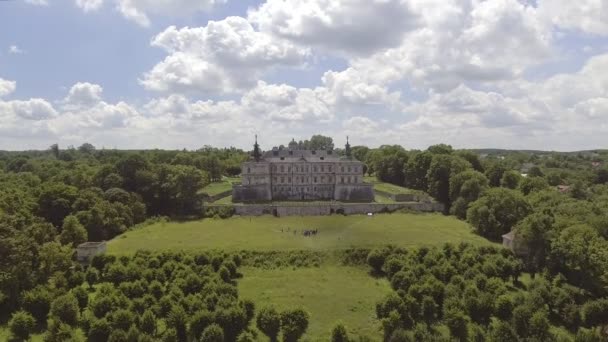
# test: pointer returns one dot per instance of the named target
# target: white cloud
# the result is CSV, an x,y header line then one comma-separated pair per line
x,y
7,87
585,15
225,56
83,94
352,26
89,5
15,50
139,10
32,109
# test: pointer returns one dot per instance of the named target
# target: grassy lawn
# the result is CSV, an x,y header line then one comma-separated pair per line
x,y
329,293
389,188
267,233
219,187
378,198
224,200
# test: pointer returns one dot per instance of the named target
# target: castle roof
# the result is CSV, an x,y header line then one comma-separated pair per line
x,y
293,156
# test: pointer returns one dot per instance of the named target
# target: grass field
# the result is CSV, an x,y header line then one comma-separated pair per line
x,y
219,187
329,293
265,233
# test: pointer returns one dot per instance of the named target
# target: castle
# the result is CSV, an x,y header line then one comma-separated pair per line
x,y
294,174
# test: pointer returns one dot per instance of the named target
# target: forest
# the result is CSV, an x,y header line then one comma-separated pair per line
x,y
555,289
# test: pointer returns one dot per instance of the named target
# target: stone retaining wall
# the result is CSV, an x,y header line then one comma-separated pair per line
x,y
329,208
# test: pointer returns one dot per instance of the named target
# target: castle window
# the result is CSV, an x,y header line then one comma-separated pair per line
x,y
356,169
342,180
322,167
314,152
282,179
322,179
330,169
349,169
314,169
248,170
342,168
289,169
282,158
282,168
315,179
322,158
289,180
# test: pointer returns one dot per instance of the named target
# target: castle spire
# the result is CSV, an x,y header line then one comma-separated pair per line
x,y
347,150
256,150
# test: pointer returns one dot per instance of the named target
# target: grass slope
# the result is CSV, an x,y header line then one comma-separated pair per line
x,y
329,293
264,233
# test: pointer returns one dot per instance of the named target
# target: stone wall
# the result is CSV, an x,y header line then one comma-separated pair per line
x,y
354,192
251,193
405,197
314,209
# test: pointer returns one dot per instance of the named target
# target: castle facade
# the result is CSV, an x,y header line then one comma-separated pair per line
x,y
292,174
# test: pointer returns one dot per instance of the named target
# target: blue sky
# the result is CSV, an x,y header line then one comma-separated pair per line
x,y
185,73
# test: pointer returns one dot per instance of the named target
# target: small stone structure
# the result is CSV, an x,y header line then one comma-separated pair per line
x,y
86,251
296,174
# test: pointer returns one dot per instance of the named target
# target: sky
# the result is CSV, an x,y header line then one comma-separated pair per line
x,y
174,74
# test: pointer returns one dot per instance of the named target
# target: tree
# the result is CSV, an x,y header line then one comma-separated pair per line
x,y
457,323
339,333
444,166
65,309
539,326
581,255
417,169
148,323
494,172
294,324
595,313
200,321
91,276
472,158
535,172
501,331
72,232
213,333
376,258
510,179
320,142
55,202
177,320
466,187
529,185
86,148
38,303
21,325
497,211
534,232
269,322
82,296
440,149
54,150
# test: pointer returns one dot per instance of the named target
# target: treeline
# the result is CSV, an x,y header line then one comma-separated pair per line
x,y
170,297
475,293
52,200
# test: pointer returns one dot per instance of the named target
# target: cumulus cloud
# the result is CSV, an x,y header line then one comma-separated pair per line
x,y
83,94
224,56
139,10
89,5
7,87
33,109
352,26
589,16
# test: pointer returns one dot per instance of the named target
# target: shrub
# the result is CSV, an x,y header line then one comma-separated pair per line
x,y
21,325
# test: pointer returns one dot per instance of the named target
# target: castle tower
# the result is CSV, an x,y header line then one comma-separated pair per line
x,y
257,154
347,150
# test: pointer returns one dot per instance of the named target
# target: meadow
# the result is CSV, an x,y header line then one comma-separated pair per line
x,y
268,233
330,293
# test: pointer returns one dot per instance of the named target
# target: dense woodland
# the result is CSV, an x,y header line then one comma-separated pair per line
x,y
50,201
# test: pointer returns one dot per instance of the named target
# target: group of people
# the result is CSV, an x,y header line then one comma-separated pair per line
x,y
305,232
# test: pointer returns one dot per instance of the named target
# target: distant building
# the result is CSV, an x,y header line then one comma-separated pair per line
x,y
296,174
563,188
86,251
512,242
